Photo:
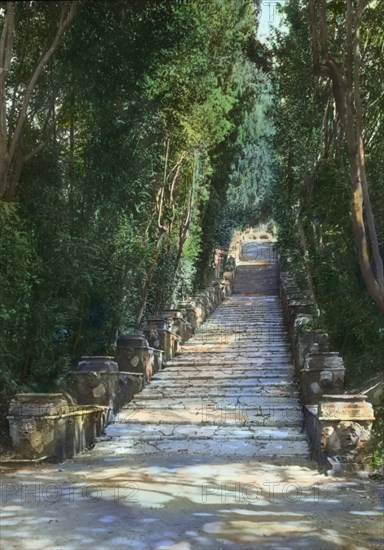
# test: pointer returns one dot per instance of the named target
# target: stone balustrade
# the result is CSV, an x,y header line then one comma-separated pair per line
x,y
59,426
338,424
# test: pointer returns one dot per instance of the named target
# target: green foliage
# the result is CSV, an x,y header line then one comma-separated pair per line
x,y
312,190
121,210
18,275
377,442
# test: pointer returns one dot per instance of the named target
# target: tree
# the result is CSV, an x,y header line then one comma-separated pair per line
x,y
117,117
311,195
345,76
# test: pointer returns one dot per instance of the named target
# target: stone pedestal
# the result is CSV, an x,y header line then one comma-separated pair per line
x,y
286,283
306,338
109,389
293,307
134,354
204,300
198,310
158,359
177,323
229,280
339,428
190,315
165,340
214,296
323,373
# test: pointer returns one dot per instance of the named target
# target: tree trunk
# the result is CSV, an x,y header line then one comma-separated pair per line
x,y
346,90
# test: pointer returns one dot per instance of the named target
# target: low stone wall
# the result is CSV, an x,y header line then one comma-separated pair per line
x,y
49,426
58,426
338,424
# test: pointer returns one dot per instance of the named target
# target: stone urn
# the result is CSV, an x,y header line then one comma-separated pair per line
x,y
134,354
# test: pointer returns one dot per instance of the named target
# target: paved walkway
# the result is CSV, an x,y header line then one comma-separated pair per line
x,y
211,455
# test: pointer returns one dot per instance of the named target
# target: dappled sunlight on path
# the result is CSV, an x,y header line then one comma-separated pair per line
x,y
185,502
211,455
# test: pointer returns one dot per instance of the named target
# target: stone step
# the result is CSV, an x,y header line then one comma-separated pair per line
x,y
249,309
217,394
233,356
231,321
248,337
237,349
250,306
217,415
229,391
175,374
245,331
186,384
265,404
249,343
251,378
255,316
130,431
268,450
237,364
225,371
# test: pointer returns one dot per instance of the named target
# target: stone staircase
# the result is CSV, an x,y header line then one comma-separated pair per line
x,y
231,391
210,456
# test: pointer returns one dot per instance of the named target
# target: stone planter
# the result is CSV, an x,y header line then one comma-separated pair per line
x,y
158,322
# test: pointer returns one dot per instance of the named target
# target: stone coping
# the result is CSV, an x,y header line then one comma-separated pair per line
x,y
106,357
113,373
37,395
74,410
153,329
345,397
313,409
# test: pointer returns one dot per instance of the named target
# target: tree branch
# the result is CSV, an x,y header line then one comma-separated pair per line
x,y
6,48
323,30
314,38
67,15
